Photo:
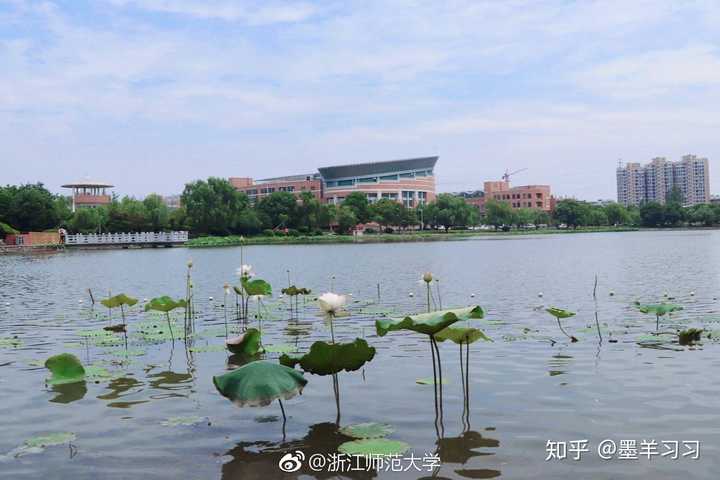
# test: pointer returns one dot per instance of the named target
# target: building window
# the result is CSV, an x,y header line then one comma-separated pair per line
x,y
407,175
331,184
372,197
408,198
345,183
388,178
391,196
367,180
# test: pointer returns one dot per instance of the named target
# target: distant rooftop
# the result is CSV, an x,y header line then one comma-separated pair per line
x,y
288,178
86,182
378,168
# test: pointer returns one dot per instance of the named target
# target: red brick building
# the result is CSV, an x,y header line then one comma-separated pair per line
x,y
295,184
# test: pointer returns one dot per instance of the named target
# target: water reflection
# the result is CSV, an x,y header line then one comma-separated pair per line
x,y
558,364
69,392
261,459
118,387
171,381
460,450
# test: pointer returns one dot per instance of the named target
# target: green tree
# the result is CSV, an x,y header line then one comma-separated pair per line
x,y
616,214
308,212
450,211
571,212
409,217
703,214
498,213
30,207
386,212
158,214
345,219
540,217
358,203
523,217
86,220
652,214
213,206
278,210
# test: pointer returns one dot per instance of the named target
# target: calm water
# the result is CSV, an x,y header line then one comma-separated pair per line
x,y
524,390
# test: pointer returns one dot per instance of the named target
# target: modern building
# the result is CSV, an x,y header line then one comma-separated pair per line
x,y
89,193
296,184
653,182
536,197
409,181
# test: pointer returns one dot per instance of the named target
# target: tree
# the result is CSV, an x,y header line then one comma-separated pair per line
x,y
345,219
30,207
498,214
596,216
278,210
523,217
308,212
213,206
158,214
86,220
571,212
450,211
409,217
360,206
540,217
652,214
386,212
703,215
616,214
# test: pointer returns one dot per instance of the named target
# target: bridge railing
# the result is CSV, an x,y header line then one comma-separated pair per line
x,y
126,238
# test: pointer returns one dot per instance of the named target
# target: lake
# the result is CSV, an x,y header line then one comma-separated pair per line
x,y
158,415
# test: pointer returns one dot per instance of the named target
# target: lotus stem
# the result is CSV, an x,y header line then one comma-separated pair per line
x,y
282,409
92,299
563,330
657,322
437,285
597,324
332,330
172,336
462,375
428,296
336,387
378,291
437,413
226,320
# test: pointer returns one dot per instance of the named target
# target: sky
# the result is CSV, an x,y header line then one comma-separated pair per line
x,y
152,94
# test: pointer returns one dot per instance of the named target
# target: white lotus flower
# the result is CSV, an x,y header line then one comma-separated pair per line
x,y
331,303
245,271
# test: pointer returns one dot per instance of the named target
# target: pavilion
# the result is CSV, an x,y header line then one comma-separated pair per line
x,y
89,193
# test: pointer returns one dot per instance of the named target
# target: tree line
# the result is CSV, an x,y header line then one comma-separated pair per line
x,y
215,207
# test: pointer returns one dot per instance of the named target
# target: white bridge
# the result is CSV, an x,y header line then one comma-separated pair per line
x,y
140,238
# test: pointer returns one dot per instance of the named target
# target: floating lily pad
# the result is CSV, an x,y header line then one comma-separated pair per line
x,y
50,440
367,430
183,421
10,342
121,352
73,345
207,349
279,348
429,381
65,368
375,447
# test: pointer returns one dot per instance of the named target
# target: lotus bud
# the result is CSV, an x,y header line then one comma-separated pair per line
x,y
427,277
189,264
540,294
226,288
692,294
210,298
472,295
411,294
665,294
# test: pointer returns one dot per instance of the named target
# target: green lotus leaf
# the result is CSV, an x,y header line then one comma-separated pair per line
x,y
559,312
117,300
248,344
331,358
461,335
294,291
429,381
428,323
367,430
50,440
290,360
6,342
660,309
256,287
65,368
279,348
165,304
260,383
375,447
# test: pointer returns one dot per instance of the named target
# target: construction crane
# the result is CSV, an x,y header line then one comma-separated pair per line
x,y
506,176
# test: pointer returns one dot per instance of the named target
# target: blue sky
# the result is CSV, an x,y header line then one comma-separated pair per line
x,y
150,94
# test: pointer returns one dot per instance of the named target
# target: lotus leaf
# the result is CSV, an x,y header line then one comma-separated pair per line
x,y
461,335
248,344
429,381
165,304
428,323
367,430
117,300
659,309
294,291
256,287
559,312
331,358
374,447
259,383
279,348
65,368
50,440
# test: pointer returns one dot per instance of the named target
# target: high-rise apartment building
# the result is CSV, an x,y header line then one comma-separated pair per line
x,y
653,182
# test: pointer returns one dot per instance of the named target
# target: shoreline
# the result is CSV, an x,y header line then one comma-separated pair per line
x,y
407,237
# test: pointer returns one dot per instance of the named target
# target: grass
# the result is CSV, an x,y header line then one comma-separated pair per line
x,y
425,236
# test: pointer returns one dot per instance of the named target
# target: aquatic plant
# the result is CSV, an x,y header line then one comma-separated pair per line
x,y
559,313
689,336
660,310
428,278
119,300
430,324
166,305
294,292
247,344
65,368
331,305
258,384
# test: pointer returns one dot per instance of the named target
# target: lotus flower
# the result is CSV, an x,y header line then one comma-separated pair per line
x,y
331,303
245,271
